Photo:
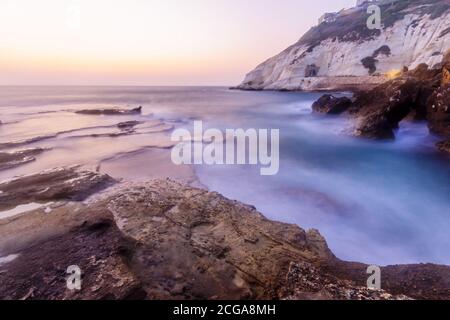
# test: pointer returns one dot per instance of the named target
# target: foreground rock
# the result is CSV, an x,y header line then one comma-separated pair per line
x,y
163,240
10,160
110,112
51,185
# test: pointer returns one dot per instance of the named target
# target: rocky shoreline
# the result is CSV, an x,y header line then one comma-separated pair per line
x,y
418,95
163,240
14,159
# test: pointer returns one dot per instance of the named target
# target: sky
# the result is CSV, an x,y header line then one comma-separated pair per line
x,y
147,42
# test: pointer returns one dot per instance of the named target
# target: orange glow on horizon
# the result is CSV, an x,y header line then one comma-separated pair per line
x,y
150,41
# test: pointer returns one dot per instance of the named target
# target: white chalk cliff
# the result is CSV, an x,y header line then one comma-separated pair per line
x,y
343,53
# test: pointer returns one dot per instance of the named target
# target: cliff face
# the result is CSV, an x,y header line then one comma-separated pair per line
x,y
345,54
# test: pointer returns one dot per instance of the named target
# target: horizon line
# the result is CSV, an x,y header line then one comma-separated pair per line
x,y
110,85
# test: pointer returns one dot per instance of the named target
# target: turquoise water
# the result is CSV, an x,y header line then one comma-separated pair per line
x,y
375,202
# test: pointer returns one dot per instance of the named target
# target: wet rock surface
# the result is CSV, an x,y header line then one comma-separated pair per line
x,y
52,185
24,142
419,94
380,110
10,160
164,240
128,125
330,104
115,111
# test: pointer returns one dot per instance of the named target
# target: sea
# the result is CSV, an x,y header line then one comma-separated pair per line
x,y
378,202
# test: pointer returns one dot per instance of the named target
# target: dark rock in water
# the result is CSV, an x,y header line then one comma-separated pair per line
x,y
439,111
10,160
110,111
444,146
163,240
438,105
380,110
128,125
331,105
51,185
376,126
419,94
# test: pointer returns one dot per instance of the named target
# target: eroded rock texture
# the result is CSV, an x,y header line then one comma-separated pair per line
x,y
330,104
51,185
419,94
164,240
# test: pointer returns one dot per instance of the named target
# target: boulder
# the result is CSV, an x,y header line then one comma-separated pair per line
x,y
330,104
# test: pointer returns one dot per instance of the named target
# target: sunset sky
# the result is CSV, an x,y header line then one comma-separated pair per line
x,y
147,42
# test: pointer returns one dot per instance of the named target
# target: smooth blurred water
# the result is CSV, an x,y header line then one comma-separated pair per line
x,y
375,202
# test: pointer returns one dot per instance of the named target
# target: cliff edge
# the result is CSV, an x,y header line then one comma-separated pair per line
x,y
342,53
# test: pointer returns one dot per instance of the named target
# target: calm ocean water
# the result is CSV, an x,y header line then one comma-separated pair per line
x,y
376,202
